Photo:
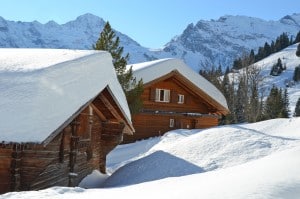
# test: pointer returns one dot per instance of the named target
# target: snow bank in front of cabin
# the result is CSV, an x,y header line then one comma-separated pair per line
x,y
271,174
93,180
42,88
207,150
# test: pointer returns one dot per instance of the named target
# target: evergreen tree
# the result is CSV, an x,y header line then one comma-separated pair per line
x,y
133,90
227,71
241,101
272,106
296,76
229,94
297,108
252,56
285,42
273,47
260,54
267,49
237,64
277,68
282,42
277,104
285,106
297,39
254,106
291,40
298,50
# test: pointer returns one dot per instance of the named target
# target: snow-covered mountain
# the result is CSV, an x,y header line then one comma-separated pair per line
x,y
80,33
220,41
204,44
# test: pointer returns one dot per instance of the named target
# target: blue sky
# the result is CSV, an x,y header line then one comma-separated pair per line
x,y
152,23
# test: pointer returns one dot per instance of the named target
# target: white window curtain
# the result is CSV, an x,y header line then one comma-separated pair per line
x,y
162,95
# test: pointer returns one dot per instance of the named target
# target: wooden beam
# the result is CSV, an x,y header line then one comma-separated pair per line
x,y
98,112
111,108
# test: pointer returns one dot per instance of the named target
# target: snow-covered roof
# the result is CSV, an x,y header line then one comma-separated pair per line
x,y
149,71
41,88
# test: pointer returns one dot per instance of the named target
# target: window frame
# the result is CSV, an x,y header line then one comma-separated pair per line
x,y
180,99
166,95
172,123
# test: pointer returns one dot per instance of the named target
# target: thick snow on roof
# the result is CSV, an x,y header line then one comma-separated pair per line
x,y
41,88
152,70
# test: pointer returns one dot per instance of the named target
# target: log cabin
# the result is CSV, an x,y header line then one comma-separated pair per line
x,y
174,97
61,112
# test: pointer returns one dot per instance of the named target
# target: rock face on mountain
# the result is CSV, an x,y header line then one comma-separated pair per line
x,y
201,45
220,41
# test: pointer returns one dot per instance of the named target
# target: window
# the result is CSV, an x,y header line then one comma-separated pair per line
x,y
162,95
171,123
180,99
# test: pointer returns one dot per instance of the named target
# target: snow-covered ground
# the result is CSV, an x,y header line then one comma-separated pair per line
x,y
284,80
259,160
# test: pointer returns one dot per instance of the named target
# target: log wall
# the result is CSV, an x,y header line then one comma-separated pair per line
x,y
151,125
5,165
154,119
74,153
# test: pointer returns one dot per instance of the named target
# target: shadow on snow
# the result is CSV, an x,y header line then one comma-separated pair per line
x,y
155,166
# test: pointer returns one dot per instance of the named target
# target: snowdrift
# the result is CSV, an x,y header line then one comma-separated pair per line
x,y
259,160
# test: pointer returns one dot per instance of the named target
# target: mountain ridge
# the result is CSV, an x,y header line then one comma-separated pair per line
x,y
203,44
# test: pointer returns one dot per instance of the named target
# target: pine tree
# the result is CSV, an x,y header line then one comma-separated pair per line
x,y
237,64
133,90
229,93
254,106
297,108
285,106
297,39
296,76
267,49
242,101
277,104
272,106
273,47
277,68
252,56
285,42
298,50
260,54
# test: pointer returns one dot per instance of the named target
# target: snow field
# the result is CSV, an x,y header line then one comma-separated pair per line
x,y
246,161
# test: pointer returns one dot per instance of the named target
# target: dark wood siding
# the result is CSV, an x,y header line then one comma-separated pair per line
x,y
5,167
76,151
154,119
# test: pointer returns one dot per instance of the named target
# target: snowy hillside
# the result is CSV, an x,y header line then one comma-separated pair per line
x,y
285,79
203,44
259,160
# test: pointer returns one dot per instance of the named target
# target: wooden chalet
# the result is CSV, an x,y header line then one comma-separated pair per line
x,y
61,112
174,97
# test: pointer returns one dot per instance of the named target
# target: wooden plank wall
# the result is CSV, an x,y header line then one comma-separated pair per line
x,y
74,153
5,164
191,104
147,125
41,166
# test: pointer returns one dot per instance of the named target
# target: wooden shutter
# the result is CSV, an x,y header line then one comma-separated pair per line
x,y
152,94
